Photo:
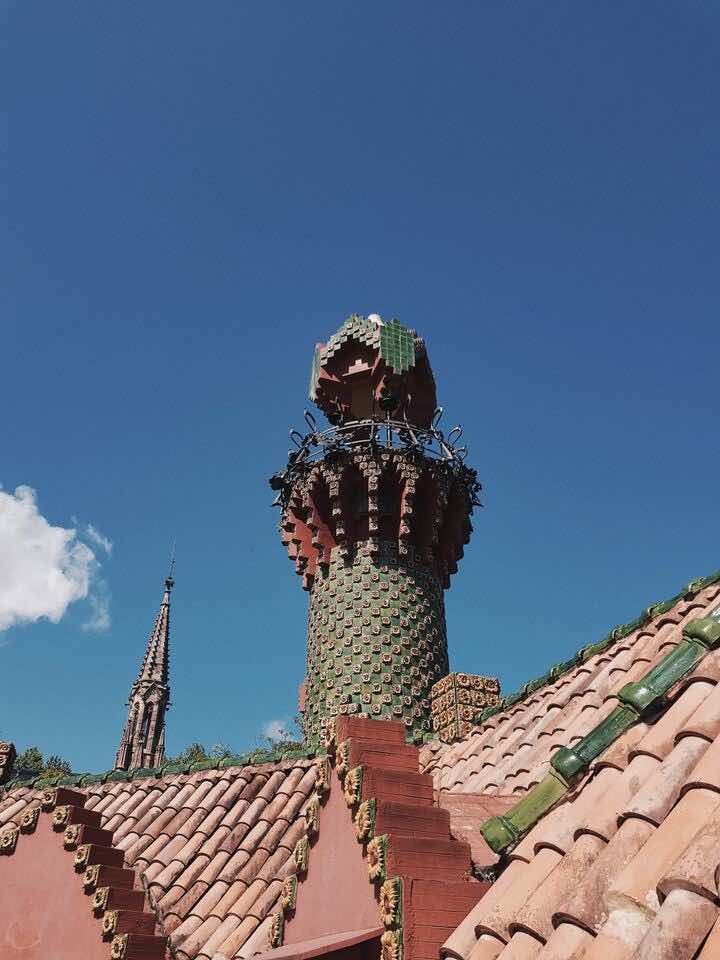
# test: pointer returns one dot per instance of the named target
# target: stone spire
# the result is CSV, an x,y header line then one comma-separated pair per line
x,y
375,515
143,740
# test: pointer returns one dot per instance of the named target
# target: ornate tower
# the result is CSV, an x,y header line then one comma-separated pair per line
x,y
375,515
143,740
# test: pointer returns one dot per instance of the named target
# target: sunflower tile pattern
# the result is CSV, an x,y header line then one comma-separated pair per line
x,y
376,641
457,699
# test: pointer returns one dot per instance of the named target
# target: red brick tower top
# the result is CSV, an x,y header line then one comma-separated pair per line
x,y
370,368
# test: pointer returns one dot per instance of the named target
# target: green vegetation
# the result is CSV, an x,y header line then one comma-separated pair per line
x,y
32,759
196,752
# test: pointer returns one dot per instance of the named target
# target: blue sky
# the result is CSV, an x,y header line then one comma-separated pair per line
x,y
192,195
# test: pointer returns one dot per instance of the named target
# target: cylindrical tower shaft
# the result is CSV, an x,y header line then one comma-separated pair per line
x,y
376,639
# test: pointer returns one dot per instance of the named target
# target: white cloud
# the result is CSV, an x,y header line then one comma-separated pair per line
x,y
99,539
99,600
43,568
275,729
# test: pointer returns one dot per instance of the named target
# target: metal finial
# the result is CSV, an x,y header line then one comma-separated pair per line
x,y
169,581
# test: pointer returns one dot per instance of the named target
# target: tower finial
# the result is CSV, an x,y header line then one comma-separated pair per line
x,y
169,580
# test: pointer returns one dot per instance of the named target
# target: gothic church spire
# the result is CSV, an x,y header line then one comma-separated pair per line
x,y
143,740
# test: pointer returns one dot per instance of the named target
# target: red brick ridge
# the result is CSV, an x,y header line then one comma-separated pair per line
x,y
118,899
421,874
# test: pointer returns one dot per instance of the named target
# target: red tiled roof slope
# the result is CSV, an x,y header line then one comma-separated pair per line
x,y
627,865
211,848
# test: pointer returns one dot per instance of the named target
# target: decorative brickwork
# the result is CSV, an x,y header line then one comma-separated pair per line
x,y
457,700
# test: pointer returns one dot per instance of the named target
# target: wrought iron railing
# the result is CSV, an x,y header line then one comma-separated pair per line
x,y
373,433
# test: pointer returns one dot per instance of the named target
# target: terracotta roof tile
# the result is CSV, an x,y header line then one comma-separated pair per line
x,y
211,847
679,927
523,946
661,790
602,820
567,942
536,914
213,943
487,948
711,947
626,865
246,939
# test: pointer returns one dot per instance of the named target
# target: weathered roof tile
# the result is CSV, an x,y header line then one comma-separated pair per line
x,y
211,846
626,864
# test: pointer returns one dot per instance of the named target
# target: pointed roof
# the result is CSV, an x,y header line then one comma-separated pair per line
x,y
155,664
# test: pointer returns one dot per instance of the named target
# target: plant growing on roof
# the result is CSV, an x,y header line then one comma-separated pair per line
x,y
30,759
56,766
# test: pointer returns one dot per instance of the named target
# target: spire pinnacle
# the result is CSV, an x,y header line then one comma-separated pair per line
x,y
169,581
143,740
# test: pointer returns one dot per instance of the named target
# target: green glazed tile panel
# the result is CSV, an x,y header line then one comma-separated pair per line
x,y
395,342
376,641
397,346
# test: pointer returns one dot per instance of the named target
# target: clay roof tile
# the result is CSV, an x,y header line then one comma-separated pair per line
x,y
696,868
659,739
638,881
705,721
679,928
657,796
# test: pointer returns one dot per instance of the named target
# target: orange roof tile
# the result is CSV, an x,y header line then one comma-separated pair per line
x,y
210,847
627,864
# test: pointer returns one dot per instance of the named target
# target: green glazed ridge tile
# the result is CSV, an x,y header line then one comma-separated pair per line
x,y
238,760
300,754
70,780
639,699
146,772
45,782
21,784
113,775
91,778
210,764
169,768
